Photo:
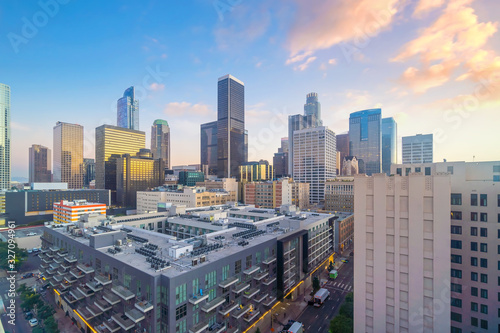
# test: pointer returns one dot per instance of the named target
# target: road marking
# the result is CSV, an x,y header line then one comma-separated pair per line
x,y
326,318
5,296
309,327
338,299
317,316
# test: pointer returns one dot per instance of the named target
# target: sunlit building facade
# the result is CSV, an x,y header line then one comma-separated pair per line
x,y
70,211
40,164
365,139
5,136
160,141
68,154
256,171
389,144
208,145
128,110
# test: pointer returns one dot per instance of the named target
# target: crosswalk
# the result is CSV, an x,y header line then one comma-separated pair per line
x,y
339,285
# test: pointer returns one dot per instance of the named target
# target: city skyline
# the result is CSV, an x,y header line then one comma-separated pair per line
x,y
383,71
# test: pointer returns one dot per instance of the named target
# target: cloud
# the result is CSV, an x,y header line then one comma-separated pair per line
x,y
332,61
304,65
425,6
433,76
182,109
18,126
297,58
257,65
156,86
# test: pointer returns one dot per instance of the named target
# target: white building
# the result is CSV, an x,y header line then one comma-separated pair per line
x,y
314,159
401,257
418,149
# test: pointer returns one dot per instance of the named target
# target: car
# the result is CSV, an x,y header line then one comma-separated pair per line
x,y
30,251
32,234
27,275
28,315
33,322
35,249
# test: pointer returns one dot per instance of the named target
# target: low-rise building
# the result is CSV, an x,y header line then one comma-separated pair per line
x,y
270,194
70,211
339,194
344,231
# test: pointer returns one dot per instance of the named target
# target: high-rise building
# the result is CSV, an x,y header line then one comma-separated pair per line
x,y
350,166
256,171
231,148
208,147
68,154
418,149
342,151
300,195
365,139
40,161
111,142
280,160
314,159
313,107
160,141
389,144
402,253
88,171
473,206
5,136
128,110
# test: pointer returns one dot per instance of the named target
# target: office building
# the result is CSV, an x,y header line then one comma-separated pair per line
x,y
389,144
89,171
342,151
190,178
68,154
70,211
300,195
313,108
231,143
227,184
280,160
256,171
339,195
365,139
418,149
40,164
128,110
475,217
350,166
5,137
160,141
111,142
208,147
314,159
137,173
270,194
344,231
402,253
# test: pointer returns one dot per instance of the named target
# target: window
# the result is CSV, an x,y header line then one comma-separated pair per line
x,y
473,199
484,217
427,171
456,302
456,273
473,276
450,169
484,247
180,294
483,200
484,293
498,249
473,261
484,263
484,232
498,200
456,199
474,321
457,288
398,171
498,218
407,171
237,267
456,244
455,229
181,312
473,231
473,291
474,307
484,278
484,324
496,178
418,169
456,317
473,216
473,246
249,261
456,215
455,330
456,259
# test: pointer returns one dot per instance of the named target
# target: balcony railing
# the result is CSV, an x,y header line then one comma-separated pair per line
x,y
260,276
86,314
134,315
249,316
269,260
268,280
71,259
199,328
240,311
94,310
144,306
213,304
123,292
111,325
95,286
76,273
111,298
78,295
103,305
228,282
260,297
251,293
87,269
228,308
85,290
196,299
241,287
269,301
102,279
251,270
123,321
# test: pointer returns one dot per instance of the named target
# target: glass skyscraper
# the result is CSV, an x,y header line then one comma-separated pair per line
x,y
4,136
313,107
231,147
208,147
160,141
389,144
40,164
365,139
68,154
128,110
89,171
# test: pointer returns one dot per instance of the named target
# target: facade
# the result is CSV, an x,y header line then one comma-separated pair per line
x,y
160,141
350,166
68,154
389,144
344,231
70,211
111,142
190,178
128,110
270,194
137,173
365,139
418,149
339,195
314,159
208,147
89,171
227,184
300,195
296,123
256,171
342,151
313,108
40,164
231,141
5,137
35,205
402,253
475,216
280,160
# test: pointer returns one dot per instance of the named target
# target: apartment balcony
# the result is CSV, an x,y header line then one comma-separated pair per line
x,y
58,278
251,293
288,252
96,311
54,248
71,259
123,321
63,287
78,295
249,316
240,311
102,279
144,306
85,290
54,265
123,292
111,298
44,265
233,330
62,270
87,269
260,297
196,299
44,250
102,305
58,260
66,265
76,273
228,282
62,254
111,325
70,278
199,328
53,282
47,260
268,281
228,308
251,270
134,315
269,301
269,260
86,314
242,286
95,286
213,304
260,276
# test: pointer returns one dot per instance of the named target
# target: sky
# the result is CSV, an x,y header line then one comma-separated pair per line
x,y
433,65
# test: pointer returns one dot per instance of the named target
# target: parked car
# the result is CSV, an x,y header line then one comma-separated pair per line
x,y
31,234
35,249
28,315
33,322
30,251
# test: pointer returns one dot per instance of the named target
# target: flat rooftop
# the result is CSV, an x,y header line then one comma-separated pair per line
x,y
24,232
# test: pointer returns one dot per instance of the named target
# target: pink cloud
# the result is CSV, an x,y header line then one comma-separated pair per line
x,y
187,109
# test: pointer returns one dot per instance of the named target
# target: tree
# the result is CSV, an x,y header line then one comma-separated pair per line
x,y
257,330
51,325
349,297
347,309
341,324
316,284
45,312
31,301
20,255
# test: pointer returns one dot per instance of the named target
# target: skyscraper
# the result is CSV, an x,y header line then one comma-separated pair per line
x,y
208,147
314,159
128,110
418,149
365,139
342,151
231,148
68,154
160,141
313,107
5,136
280,160
389,144
88,171
40,164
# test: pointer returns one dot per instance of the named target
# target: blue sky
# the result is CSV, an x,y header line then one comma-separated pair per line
x,y
433,65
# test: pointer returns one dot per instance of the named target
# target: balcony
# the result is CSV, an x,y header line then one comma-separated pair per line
x,y
233,330
123,292
268,281
260,297
241,287
269,300
58,260
196,299
269,260
260,276
95,286
103,305
123,321
228,308
94,310
228,282
86,314
54,248
64,287
70,278
44,266
102,279
71,259
144,306
47,260
213,304
111,298
58,278
251,293
111,325
134,315
52,282
251,270
240,311
78,295
85,290
76,273
248,317
87,269
62,254
54,265
200,327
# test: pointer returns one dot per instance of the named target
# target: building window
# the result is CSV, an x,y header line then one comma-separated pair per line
x,y
473,231
456,330
473,276
483,200
484,293
484,263
484,247
498,218
473,291
456,302
427,171
398,171
484,232
455,229
248,261
473,261
407,171
457,288
237,267
484,278
484,324
496,168
496,178
474,321
484,217
473,199
456,244
456,199
473,246
498,200
418,169
456,259
474,307
473,216
181,312
456,317
456,273
456,215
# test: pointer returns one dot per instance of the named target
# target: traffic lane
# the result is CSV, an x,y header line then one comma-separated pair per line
x,y
318,319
